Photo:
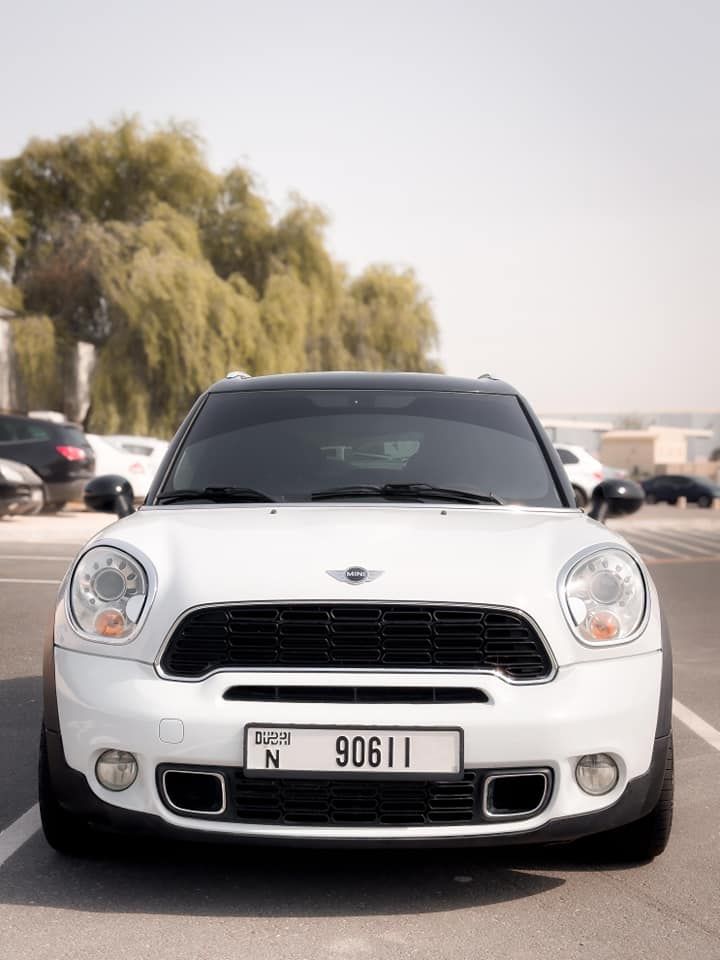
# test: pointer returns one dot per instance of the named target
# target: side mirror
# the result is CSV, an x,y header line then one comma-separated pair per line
x,y
613,498
109,494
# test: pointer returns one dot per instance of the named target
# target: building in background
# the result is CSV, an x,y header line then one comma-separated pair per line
x,y
701,427
657,449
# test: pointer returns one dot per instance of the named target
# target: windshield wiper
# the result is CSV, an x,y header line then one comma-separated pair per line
x,y
216,495
411,491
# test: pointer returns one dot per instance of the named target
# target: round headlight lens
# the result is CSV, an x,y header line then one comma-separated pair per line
x,y
107,594
605,596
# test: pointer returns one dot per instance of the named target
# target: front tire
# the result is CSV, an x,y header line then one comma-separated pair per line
x,y
645,838
66,832
704,501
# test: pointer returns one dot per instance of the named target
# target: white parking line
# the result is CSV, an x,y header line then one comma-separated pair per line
x,y
14,836
643,541
20,580
30,556
696,724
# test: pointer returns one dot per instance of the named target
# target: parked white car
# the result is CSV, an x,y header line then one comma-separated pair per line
x,y
150,447
584,470
359,609
137,468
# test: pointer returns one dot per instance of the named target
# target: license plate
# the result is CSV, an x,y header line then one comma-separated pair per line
x,y
301,751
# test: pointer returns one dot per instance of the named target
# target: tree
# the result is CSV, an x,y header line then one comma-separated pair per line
x,y
236,230
388,322
116,174
124,238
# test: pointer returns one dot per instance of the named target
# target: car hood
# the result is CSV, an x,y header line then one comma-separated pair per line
x,y
503,556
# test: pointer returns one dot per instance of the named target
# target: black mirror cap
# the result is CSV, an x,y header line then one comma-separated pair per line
x,y
614,498
109,493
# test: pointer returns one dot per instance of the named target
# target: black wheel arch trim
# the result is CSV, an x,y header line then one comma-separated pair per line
x,y
50,705
664,719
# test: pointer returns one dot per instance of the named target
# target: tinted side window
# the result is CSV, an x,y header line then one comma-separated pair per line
x,y
8,433
72,436
567,456
32,430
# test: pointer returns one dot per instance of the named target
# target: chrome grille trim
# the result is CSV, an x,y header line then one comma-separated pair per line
x,y
399,671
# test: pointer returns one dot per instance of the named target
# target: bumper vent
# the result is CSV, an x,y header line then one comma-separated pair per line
x,y
353,803
348,636
366,803
297,694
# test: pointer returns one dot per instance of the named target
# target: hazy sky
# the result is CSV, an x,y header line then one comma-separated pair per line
x,y
550,169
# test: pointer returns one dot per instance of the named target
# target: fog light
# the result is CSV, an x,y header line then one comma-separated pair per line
x,y
596,773
116,769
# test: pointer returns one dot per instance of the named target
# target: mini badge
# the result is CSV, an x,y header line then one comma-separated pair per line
x,y
355,575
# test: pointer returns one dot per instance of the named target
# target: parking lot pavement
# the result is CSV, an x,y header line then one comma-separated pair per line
x,y
665,534
191,903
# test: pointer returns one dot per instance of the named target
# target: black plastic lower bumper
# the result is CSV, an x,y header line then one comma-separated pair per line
x,y
74,794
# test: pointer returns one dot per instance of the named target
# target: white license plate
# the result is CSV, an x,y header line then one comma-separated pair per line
x,y
352,751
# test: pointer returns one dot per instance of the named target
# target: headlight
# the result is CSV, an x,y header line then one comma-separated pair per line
x,y
605,597
107,594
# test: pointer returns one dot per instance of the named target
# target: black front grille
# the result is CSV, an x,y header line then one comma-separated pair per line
x,y
355,636
389,803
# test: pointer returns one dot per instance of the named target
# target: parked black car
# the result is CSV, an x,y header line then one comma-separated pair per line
x,y
21,489
668,488
58,452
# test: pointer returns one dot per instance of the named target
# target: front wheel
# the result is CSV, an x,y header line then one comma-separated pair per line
x,y
704,501
645,838
64,831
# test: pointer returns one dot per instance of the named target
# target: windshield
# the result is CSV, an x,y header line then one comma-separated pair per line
x,y
290,445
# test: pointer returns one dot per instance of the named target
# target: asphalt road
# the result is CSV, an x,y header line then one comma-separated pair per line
x,y
193,903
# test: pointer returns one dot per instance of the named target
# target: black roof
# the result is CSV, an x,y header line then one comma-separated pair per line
x,y
352,380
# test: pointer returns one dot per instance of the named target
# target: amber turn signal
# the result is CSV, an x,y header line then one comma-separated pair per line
x,y
110,623
603,625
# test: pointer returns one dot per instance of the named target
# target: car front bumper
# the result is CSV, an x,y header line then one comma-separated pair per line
x,y
609,706
62,491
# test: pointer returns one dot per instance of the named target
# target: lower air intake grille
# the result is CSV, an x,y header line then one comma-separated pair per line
x,y
371,802
355,636
354,803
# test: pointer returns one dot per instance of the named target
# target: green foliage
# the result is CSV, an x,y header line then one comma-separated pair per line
x,y
38,362
388,322
126,239
114,174
237,230
12,232
10,296
175,327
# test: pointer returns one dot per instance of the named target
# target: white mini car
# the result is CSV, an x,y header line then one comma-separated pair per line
x,y
358,608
